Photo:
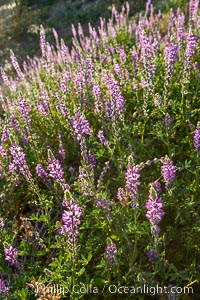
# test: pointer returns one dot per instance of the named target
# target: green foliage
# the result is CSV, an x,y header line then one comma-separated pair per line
x,y
20,24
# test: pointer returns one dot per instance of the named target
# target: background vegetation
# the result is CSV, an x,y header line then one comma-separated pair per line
x,y
20,20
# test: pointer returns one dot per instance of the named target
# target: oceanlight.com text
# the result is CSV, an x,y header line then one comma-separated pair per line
x,y
113,289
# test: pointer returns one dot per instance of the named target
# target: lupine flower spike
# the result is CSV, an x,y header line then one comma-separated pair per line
x,y
11,256
111,252
197,138
168,171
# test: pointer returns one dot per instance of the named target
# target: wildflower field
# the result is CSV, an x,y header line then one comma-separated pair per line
x,y
99,163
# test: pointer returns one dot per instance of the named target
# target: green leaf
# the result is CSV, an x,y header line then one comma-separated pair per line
x,y
23,294
82,270
90,255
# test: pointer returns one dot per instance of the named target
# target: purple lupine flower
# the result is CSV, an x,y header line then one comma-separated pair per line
x,y
49,55
134,55
78,81
170,55
77,56
5,134
89,63
108,110
157,101
122,53
127,8
24,110
5,78
63,82
103,58
168,171
44,105
159,15
71,169
91,160
64,51
117,100
171,15
156,186
148,3
3,288
19,163
56,38
42,109
111,49
11,256
151,18
127,74
73,30
102,175
61,107
56,171
85,186
82,173
135,86
193,8
147,54
80,30
18,182
144,83
103,204
180,28
132,180
2,223
41,172
62,152
111,252
97,92
89,69
15,123
197,138
152,255
155,230
25,141
80,125
167,120
191,43
85,101
16,64
196,65
71,219
192,5
117,70
43,43
121,194
102,139
154,208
